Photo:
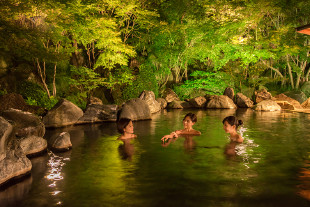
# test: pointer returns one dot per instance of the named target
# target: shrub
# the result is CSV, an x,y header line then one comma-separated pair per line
x,y
145,80
213,83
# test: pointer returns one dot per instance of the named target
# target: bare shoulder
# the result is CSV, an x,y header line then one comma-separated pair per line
x,y
239,139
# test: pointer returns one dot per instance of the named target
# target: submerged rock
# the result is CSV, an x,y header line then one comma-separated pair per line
x,y
61,142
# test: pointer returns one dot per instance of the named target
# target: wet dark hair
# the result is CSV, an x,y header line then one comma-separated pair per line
x,y
192,116
233,121
121,124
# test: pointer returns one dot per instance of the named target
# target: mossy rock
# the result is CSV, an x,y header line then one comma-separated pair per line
x,y
297,95
306,88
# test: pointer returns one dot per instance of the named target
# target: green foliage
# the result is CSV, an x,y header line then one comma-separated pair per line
x,y
35,95
146,80
79,99
213,83
86,78
3,92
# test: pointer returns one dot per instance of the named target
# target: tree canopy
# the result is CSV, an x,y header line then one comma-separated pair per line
x,y
136,44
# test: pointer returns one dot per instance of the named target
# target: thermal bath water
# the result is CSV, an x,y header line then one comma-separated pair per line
x,y
271,167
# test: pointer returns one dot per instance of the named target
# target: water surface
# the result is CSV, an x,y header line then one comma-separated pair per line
x,y
271,167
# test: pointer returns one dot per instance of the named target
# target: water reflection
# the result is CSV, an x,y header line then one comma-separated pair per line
x,y
126,149
54,173
189,143
304,177
15,193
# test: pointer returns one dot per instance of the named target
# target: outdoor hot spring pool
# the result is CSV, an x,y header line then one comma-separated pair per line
x,y
271,168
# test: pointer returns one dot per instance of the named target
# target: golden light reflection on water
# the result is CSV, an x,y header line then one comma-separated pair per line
x,y
54,174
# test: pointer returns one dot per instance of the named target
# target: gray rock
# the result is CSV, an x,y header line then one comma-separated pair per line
x,y
33,145
163,103
179,105
14,165
62,114
61,142
149,98
229,92
282,98
306,104
297,95
5,131
198,102
220,102
170,95
25,123
243,101
99,113
267,105
306,88
262,95
135,109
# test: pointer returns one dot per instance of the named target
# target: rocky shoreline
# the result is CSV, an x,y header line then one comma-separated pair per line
x,y
22,132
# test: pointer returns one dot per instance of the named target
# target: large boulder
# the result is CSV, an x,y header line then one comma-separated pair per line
x,y
282,97
220,102
262,95
306,88
243,102
25,123
297,95
149,98
62,114
163,103
229,92
267,105
170,95
135,109
33,145
60,142
14,165
179,105
5,131
198,102
99,113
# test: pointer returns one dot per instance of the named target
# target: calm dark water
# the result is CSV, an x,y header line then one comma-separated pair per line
x,y
271,168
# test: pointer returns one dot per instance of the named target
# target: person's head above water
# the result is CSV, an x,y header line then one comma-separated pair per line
x,y
230,125
232,121
191,116
124,125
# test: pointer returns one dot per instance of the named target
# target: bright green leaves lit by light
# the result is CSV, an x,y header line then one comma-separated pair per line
x,y
203,83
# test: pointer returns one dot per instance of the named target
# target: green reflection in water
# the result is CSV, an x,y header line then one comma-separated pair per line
x,y
268,169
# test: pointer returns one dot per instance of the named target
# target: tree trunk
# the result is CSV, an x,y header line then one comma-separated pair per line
x,y
54,81
290,71
43,76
